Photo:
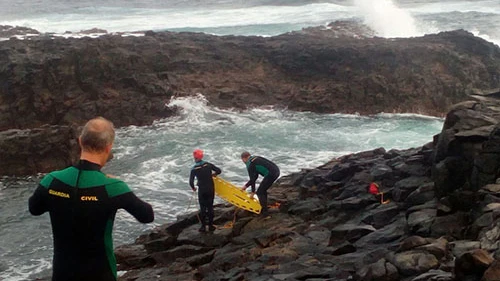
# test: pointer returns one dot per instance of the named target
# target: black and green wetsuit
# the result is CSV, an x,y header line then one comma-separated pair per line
x,y
257,165
82,203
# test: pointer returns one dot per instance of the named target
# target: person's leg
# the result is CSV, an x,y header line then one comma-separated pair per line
x,y
262,192
210,212
203,211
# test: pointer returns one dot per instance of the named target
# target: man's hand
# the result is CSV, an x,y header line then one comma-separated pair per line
x,y
252,195
244,187
194,189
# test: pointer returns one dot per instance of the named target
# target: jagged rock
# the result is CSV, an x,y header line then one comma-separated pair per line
x,y
191,235
6,31
183,251
349,233
212,65
182,223
493,188
93,30
391,233
460,247
460,154
379,271
160,244
414,169
382,215
422,194
44,149
343,249
493,272
356,203
451,225
307,208
435,275
420,222
439,248
132,256
406,186
491,207
412,242
472,264
320,236
489,237
380,171
414,262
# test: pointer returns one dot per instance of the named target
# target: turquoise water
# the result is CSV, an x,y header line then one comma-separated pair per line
x,y
156,160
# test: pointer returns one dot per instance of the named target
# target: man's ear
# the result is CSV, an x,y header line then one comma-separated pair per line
x,y
108,148
109,152
80,141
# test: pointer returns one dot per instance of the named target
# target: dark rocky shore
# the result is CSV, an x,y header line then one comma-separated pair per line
x,y
61,83
442,221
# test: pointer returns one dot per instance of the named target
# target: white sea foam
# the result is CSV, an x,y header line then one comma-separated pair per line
x,y
114,19
387,19
23,272
485,6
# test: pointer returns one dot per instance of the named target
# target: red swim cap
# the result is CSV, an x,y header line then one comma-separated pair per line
x,y
198,154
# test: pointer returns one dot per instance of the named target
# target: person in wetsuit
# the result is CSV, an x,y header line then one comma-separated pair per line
x,y
204,171
82,203
257,165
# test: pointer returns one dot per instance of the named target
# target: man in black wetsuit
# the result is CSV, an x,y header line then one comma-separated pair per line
x,y
202,171
82,203
257,165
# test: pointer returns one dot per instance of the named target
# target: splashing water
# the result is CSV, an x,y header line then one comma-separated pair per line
x,y
387,19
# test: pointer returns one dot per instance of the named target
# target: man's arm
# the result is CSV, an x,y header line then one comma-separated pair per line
x,y
141,210
216,169
37,203
252,173
191,180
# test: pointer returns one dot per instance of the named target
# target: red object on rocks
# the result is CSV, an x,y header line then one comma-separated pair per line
x,y
373,189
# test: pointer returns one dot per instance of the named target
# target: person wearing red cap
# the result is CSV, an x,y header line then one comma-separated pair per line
x,y
204,171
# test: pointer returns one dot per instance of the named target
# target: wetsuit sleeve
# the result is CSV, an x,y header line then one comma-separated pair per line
x,y
191,179
141,210
252,173
38,201
216,169
124,198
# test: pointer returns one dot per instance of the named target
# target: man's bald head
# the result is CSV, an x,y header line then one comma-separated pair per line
x,y
97,135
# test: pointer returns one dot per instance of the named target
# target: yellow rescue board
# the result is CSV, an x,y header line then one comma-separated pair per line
x,y
236,196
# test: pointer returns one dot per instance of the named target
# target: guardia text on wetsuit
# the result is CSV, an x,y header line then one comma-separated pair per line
x,y
202,171
257,165
82,203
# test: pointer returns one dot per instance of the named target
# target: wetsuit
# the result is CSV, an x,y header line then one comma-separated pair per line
x,y
82,203
203,172
256,166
